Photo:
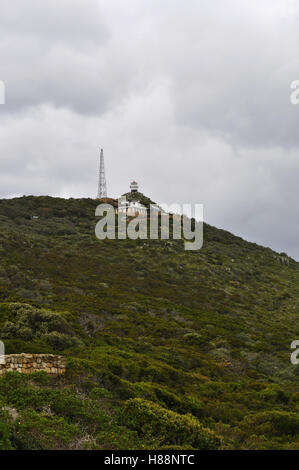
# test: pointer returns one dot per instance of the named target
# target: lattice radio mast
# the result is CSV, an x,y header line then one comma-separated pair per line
x,y
102,189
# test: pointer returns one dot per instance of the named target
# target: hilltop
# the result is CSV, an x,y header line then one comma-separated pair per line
x,y
166,348
137,196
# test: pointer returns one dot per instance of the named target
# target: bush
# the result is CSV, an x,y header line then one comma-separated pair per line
x,y
274,395
277,423
5,443
170,428
60,341
29,323
99,393
37,432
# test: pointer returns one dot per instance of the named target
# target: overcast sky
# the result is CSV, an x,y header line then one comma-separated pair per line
x,y
189,97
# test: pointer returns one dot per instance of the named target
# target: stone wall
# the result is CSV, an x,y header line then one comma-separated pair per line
x,y
28,363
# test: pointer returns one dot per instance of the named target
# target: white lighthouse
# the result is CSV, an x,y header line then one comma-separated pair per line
x,y
134,187
132,207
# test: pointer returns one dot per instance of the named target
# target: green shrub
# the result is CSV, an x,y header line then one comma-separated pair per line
x,y
60,341
41,378
37,432
168,427
274,395
100,392
5,443
28,323
273,423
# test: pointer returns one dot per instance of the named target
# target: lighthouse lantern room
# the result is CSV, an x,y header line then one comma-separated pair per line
x,y
134,187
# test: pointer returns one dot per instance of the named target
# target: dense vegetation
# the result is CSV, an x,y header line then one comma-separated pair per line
x,y
166,348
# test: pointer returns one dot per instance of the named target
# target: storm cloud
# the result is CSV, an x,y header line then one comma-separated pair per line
x,y
191,99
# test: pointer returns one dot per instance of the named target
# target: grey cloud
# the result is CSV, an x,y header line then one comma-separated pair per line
x,y
67,21
231,64
62,53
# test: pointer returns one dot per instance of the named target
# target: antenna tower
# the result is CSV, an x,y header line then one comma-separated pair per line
x,y
102,189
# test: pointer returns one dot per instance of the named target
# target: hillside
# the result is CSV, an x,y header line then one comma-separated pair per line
x,y
165,348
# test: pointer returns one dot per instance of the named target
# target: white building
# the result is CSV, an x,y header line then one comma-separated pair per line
x,y
132,208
